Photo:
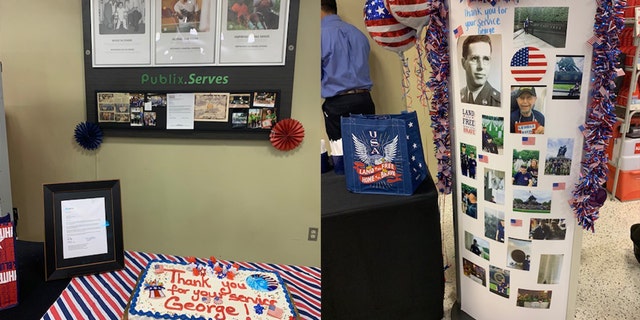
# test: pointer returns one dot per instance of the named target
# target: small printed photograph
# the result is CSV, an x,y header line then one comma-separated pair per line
x,y
567,77
183,16
470,201
499,281
122,108
525,168
547,229
545,27
476,245
519,254
494,186
239,119
474,272
468,162
136,117
150,119
536,299
136,100
527,109
211,107
157,100
106,117
558,160
264,99
493,134
494,224
532,201
121,16
481,60
550,268
269,118
253,14
255,114
239,100
123,117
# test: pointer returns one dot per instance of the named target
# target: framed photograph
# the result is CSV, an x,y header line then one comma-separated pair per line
x,y
83,228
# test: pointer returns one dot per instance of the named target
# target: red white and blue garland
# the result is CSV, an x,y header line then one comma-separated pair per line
x,y
598,127
437,47
597,130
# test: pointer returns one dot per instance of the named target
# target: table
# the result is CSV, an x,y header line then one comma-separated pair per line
x,y
105,295
381,254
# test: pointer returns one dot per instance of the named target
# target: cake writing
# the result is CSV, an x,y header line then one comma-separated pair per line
x,y
198,295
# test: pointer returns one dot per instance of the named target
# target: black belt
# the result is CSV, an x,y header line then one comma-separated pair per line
x,y
353,91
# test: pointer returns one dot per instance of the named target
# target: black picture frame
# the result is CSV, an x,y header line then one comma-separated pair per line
x,y
106,192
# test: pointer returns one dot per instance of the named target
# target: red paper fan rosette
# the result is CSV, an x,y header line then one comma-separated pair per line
x,y
287,134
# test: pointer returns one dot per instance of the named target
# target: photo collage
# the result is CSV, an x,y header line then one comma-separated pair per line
x,y
513,177
237,110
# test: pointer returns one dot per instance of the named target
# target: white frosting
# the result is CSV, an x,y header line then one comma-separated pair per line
x,y
171,289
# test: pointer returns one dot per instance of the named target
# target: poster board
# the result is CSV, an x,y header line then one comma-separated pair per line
x,y
515,169
167,76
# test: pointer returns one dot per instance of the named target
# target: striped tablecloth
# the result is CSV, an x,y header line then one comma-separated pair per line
x,y
105,295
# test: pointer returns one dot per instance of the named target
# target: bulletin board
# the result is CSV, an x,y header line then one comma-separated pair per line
x,y
189,68
519,73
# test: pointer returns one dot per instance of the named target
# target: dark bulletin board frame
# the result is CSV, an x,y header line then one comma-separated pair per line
x,y
241,79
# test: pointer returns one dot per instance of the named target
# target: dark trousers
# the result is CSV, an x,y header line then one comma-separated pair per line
x,y
343,106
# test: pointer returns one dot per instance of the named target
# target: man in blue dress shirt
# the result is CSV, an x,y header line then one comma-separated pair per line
x,y
345,79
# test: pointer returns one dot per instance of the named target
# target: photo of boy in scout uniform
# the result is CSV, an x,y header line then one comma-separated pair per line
x,y
477,60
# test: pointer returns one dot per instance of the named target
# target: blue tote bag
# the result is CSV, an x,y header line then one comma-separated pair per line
x,y
383,154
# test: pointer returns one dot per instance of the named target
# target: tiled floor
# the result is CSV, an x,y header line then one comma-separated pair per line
x,y
609,279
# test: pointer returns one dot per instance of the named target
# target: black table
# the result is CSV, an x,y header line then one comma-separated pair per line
x,y
381,254
35,295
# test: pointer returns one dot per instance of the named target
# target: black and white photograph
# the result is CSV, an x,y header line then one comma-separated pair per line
x,y
480,76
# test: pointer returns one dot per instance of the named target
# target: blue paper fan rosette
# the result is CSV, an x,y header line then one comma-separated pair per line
x,y
88,135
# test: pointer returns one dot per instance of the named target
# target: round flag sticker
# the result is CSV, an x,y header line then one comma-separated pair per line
x,y
528,64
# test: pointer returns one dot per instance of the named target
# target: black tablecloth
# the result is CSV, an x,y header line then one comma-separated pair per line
x,y
381,254
35,295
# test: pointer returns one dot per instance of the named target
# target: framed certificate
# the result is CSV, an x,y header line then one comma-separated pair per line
x,y
83,228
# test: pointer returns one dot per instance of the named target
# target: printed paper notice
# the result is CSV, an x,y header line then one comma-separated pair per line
x,y
84,229
180,108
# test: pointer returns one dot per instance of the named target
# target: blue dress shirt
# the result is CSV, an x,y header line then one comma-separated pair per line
x,y
345,57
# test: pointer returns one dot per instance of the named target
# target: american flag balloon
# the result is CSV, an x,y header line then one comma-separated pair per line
x,y
385,30
411,13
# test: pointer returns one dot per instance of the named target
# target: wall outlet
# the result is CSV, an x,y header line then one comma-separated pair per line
x,y
313,234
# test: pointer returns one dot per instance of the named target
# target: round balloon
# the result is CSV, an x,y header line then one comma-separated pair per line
x,y
385,30
411,13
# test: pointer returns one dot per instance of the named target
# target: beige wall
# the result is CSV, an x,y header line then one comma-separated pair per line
x,y
386,73
239,200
